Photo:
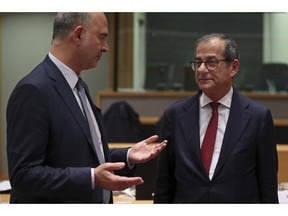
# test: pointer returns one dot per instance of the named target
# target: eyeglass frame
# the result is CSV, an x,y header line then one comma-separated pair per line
x,y
192,64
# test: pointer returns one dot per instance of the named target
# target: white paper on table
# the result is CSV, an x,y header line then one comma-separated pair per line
x,y
5,185
283,197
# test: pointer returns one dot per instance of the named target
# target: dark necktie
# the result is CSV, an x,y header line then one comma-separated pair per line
x,y
89,118
208,144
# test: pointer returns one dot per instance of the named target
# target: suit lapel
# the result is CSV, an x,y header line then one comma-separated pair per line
x,y
190,132
237,122
65,92
98,116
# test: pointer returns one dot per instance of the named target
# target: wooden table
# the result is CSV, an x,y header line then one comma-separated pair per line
x,y
4,198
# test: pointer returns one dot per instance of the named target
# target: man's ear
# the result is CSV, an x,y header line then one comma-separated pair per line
x,y
77,34
235,67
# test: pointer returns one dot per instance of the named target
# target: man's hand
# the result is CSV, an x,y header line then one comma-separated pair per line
x,y
105,177
142,152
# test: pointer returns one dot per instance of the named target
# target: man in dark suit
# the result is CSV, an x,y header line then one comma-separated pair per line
x,y
52,155
243,165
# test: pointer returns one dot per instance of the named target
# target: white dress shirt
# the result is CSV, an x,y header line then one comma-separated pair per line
x,y
205,115
72,79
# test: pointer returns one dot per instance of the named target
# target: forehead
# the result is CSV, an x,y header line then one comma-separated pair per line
x,y
214,47
100,23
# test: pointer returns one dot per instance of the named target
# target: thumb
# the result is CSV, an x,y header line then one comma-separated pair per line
x,y
115,166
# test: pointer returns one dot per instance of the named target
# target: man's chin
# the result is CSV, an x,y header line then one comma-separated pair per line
x,y
204,85
92,66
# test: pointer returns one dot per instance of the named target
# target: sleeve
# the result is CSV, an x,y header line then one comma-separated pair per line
x,y
27,143
267,161
165,181
120,155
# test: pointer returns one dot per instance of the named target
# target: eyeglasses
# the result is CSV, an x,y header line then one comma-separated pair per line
x,y
209,64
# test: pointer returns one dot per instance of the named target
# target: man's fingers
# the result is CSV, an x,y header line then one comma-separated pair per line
x,y
151,139
126,182
164,143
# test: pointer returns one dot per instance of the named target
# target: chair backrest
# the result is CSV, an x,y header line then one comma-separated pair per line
x,y
122,123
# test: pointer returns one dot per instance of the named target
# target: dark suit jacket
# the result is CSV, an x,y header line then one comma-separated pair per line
x,y
49,146
247,168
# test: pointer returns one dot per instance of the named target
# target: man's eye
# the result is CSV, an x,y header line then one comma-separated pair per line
x,y
211,62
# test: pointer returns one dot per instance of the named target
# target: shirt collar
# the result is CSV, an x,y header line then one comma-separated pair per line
x,y
67,72
225,101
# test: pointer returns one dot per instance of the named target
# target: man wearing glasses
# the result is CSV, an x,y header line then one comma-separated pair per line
x,y
221,144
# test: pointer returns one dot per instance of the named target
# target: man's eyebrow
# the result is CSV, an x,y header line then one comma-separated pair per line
x,y
206,58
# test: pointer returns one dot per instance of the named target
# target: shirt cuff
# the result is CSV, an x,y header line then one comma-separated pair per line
x,y
92,178
131,166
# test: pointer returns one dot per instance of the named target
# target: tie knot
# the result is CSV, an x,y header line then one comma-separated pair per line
x,y
79,84
214,106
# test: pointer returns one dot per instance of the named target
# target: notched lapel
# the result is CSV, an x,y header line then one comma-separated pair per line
x,y
190,130
72,104
65,92
189,127
98,116
238,119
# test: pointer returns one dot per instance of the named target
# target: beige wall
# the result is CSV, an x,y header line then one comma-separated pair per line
x,y
25,41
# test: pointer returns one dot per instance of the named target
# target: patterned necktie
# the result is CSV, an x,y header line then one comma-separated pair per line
x,y
89,118
210,137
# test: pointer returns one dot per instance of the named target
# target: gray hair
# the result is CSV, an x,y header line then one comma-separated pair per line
x,y
230,51
64,23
